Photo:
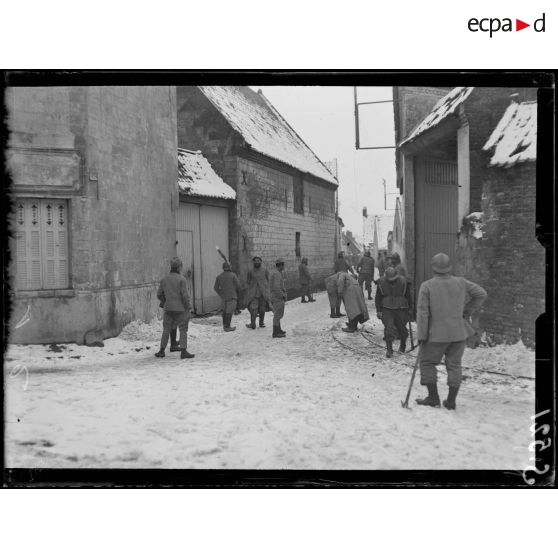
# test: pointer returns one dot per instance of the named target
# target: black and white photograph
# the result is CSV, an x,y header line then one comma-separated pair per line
x,y
237,273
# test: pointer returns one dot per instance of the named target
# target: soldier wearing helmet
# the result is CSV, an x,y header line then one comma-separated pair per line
x,y
393,304
443,327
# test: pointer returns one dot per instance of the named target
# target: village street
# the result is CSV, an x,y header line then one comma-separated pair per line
x,y
250,401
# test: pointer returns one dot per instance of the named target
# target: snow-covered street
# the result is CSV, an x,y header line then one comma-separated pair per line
x,y
318,399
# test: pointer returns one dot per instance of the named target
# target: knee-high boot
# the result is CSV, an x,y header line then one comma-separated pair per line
x,y
432,399
252,324
449,403
174,346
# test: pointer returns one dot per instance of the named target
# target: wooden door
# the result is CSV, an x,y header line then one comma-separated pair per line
x,y
214,230
435,213
185,251
188,249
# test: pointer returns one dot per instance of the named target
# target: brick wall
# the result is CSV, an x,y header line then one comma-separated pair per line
x,y
412,104
484,109
508,261
122,231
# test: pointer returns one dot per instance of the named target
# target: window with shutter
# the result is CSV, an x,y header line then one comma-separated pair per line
x,y
298,193
41,244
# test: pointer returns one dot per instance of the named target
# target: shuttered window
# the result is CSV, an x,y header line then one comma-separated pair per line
x,y
298,193
440,172
41,244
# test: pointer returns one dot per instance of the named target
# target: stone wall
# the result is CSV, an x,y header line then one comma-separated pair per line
x,y
266,223
121,209
263,221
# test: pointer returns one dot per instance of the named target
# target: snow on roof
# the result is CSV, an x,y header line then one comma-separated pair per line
x,y
442,109
264,129
383,224
514,139
196,177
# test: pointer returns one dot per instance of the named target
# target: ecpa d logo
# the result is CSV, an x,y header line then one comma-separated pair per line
x,y
492,25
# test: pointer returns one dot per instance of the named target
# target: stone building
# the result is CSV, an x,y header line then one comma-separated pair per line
x,y
285,196
440,167
94,176
441,172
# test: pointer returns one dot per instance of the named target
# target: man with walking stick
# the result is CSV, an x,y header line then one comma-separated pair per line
x,y
443,327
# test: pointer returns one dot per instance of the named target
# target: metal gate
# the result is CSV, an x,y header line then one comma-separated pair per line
x,y
199,229
435,213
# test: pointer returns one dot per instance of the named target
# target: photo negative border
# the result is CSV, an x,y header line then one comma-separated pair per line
x,y
241,478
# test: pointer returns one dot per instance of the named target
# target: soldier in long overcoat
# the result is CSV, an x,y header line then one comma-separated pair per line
x,y
227,286
305,279
393,306
278,293
173,294
257,292
445,304
353,299
365,269
334,298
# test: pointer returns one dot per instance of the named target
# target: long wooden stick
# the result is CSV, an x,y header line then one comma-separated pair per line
x,y
405,404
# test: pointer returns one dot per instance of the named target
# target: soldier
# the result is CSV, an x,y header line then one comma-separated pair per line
x,y
227,286
365,270
443,327
393,304
173,293
341,264
334,298
257,292
278,296
349,290
382,264
305,281
396,264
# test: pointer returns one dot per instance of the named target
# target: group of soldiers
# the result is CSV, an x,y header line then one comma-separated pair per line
x,y
444,306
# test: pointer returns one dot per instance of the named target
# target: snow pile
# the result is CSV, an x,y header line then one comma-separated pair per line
x,y
442,109
136,338
196,177
514,140
473,224
264,129
517,359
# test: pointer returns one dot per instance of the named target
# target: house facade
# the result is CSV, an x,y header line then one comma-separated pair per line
x,y
94,192
442,171
382,224
285,196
